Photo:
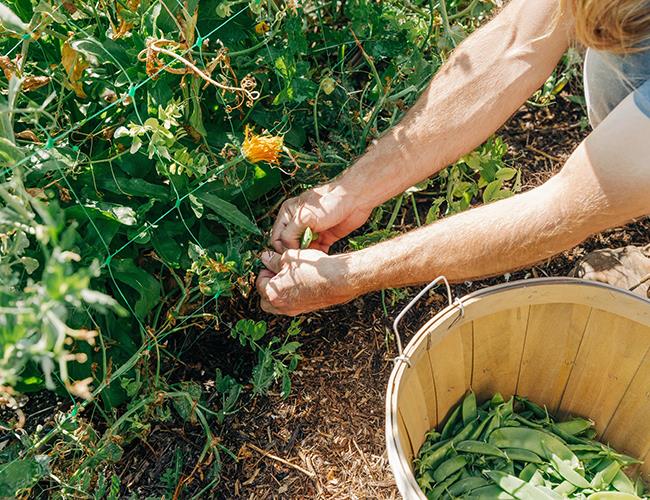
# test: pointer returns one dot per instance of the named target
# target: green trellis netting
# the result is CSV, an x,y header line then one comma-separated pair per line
x,y
145,146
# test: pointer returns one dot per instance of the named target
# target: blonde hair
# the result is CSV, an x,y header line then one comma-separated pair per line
x,y
619,26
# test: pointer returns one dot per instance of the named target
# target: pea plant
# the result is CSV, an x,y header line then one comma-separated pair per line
x,y
144,147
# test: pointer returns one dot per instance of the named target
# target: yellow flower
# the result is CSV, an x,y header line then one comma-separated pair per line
x,y
265,147
262,27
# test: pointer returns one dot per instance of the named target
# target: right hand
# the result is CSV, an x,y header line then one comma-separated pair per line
x,y
327,210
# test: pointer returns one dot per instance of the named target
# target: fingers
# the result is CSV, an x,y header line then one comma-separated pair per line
x,y
272,261
263,281
292,220
280,223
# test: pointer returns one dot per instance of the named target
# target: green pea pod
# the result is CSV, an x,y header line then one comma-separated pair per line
x,y
528,472
623,483
612,495
575,426
447,430
449,467
492,492
526,422
466,485
518,488
496,400
437,455
495,423
425,481
521,455
639,487
565,488
566,437
469,431
469,408
537,410
604,477
543,444
568,472
625,460
442,488
307,238
479,448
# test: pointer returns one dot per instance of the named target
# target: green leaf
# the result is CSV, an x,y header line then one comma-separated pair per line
x,y
132,187
145,285
228,212
491,190
506,173
20,474
289,347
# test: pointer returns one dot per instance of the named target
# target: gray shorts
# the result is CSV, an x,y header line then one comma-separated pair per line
x,y
610,78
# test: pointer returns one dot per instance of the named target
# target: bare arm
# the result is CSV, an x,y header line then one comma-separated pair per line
x,y
605,183
486,80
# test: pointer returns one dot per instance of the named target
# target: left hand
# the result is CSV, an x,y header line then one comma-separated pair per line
x,y
300,281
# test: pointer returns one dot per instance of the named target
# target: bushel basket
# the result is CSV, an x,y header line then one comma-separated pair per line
x,y
578,347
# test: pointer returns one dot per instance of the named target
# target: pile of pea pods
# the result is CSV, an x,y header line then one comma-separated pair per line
x,y
514,449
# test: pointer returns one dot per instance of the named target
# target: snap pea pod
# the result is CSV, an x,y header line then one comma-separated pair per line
x,y
442,487
529,472
449,467
518,488
467,485
479,448
568,472
612,495
469,411
539,442
575,426
447,430
521,455
604,477
623,483
492,492
565,488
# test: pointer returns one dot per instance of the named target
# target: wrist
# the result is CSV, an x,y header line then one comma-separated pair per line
x,y
354,276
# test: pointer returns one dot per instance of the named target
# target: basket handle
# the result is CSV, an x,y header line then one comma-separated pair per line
x,y
400,316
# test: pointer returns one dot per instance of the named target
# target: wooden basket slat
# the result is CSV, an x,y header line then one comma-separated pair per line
x,y
610,354
451,364
544,372
632,417
497,357
405,438
417,399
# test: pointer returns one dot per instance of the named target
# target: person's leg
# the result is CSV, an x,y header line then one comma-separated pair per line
x,y
608,79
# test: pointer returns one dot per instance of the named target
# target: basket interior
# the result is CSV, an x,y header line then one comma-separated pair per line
x,y
578,357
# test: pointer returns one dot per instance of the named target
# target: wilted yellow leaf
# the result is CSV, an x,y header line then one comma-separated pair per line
x,y
74,65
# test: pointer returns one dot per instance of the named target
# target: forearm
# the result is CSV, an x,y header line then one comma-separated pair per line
x,y
491,239
486,80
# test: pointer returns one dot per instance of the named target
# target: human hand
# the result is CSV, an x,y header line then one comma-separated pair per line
x,y
300,281
327,210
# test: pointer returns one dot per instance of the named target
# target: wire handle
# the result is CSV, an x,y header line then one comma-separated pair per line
x,y
408,307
